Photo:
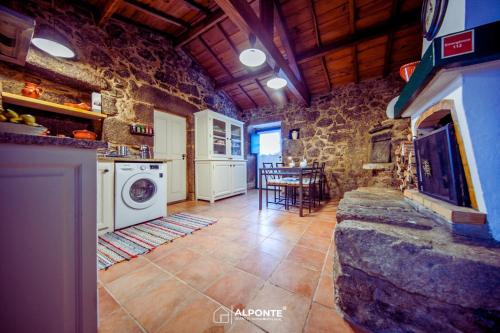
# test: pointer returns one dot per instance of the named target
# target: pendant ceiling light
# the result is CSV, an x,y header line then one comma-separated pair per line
x,y
252,57
276,82
52,42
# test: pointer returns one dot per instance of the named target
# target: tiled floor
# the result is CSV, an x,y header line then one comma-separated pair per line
x,y
249,259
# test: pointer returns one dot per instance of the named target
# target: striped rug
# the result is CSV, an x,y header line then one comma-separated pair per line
x,y
124,244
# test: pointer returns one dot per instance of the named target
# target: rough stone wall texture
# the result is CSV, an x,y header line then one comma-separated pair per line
x,y
132,67
334,129
136,71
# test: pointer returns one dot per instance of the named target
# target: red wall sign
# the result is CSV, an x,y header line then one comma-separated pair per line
x,y
457,44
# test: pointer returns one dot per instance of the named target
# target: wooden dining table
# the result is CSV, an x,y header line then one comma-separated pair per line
x,y
295,172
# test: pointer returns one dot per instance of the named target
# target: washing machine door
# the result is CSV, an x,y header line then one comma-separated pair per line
x,y
139,191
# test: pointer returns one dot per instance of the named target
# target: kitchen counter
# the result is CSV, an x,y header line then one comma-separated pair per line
x,y
130,159
24,139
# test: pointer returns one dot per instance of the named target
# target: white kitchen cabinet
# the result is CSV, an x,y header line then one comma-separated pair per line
x,y
218,137
48,238
105,197
220,179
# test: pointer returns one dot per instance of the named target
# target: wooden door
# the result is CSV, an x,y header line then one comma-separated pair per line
x,y
170,143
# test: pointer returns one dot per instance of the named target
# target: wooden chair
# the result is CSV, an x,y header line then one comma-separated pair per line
x,y
273,180
309,189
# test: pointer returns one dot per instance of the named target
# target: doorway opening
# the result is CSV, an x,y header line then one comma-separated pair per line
x,y
266,144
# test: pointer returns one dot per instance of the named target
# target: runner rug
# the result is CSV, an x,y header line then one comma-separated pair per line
x,y
124,244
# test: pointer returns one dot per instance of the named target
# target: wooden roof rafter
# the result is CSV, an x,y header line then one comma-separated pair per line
x,y
157,13
263,71
212,53
110,7
388,48
242,14
263,90
404,19
319,44
352,30
228,40
199,28
248,96
196,6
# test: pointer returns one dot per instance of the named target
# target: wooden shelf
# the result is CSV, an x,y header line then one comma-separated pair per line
x,y
37,104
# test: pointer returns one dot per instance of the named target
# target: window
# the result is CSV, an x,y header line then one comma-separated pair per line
x,y
270,143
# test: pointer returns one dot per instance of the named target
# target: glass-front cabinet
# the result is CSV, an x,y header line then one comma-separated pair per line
x,y
218,136
236,141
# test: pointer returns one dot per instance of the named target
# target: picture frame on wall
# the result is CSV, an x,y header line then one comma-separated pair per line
x,y
294,134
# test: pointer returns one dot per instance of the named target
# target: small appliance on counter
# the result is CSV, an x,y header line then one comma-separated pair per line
x,y
145,152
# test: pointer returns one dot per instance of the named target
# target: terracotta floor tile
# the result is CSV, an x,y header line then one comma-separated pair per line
x,y
195,317
203,272
176,260
287,235
250,240
106,303
295,309
328,266
324,291
118,321
120,269
277,248
325,320
243,326
320,229
234,289
262,229
296,278
162,250
158,302
231,252
307,257
259,263
205,244
316,243
132,284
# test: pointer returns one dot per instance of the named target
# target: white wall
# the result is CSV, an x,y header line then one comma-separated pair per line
x,y
453,21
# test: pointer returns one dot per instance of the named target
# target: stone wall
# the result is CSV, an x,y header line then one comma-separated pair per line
x,y
335,130
136,71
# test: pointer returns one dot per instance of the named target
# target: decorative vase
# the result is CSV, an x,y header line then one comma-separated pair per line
x,y
295,135
31,90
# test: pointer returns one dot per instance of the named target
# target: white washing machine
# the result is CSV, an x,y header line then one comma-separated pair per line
x,y
140,193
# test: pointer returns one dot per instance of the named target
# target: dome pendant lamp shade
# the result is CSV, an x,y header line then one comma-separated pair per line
x,y
276,82
252,57
52,42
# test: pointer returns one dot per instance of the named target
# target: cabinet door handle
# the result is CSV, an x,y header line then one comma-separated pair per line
x,y
105,170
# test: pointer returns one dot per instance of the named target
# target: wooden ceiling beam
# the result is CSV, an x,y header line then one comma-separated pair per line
x,y
283,33
212,53
242,14
110,7
196,6
264,91
266,9
228,40
199,28
263,71
157,13
390,38
317,36
405,19
352,29
248,96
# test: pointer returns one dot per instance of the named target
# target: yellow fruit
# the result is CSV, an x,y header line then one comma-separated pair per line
x,y
28,119
3,118
16,120
11,114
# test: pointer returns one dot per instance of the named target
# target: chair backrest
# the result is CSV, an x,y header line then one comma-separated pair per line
x,y
280,164
267,165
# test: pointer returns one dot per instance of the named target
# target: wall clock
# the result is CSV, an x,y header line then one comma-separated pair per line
x,y
433,12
